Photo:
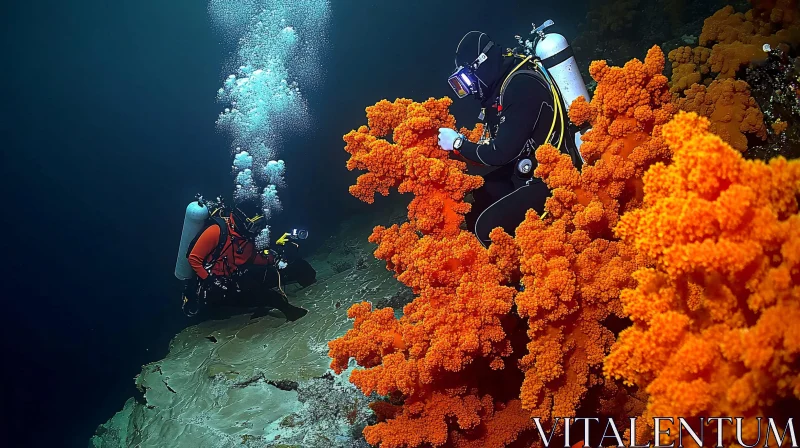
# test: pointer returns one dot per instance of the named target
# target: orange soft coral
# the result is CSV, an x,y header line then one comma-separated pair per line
x,y
473,134
453,333
738,39
573,268
779,127
689,65
783,12
727,59
730,108
714,322
489,425
572,282
384,116
730,41
727,26
445,359
629,106
413,163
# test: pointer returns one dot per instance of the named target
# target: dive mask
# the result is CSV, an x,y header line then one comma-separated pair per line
x,y
463,82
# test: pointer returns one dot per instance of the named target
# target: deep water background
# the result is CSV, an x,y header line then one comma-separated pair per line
x,y
108,132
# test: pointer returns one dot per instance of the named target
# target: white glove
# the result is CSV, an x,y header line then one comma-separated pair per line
x,y
447,138
282,264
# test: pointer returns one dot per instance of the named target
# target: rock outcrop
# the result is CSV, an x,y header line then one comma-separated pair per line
x,y
247,382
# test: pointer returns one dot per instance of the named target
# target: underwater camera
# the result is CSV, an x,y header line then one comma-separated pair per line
x,y
298,234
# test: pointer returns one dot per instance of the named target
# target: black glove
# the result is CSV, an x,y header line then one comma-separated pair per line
x,y
216,288
190,303
290,252
285,255
216,281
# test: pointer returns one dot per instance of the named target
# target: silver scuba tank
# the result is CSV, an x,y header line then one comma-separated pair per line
x,y
557,57
193,223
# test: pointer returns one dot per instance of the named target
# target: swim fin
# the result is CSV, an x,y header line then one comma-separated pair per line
x,y
292,312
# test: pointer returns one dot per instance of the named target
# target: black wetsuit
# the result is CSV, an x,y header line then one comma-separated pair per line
x,y
250,287
517,131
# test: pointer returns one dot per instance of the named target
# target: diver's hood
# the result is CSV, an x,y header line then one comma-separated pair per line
x,y
492,71
247,221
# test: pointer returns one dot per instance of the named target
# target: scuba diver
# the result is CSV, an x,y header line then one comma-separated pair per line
x,y
522,107
227,272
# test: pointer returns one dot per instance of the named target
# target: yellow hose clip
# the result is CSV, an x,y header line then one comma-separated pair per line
x,y
254,218
283,239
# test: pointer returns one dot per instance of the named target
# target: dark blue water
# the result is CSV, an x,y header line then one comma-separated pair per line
x,y
108,132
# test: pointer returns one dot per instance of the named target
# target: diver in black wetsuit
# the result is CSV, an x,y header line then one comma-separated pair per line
x,y
520,112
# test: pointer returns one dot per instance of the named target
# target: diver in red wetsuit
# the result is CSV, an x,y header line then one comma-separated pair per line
x,y
232,273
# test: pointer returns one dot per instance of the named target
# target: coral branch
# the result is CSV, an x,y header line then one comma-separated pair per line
x,y
444,359
730,108
572,266
714,330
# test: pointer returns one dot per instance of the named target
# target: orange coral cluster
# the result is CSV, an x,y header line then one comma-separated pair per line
x,y
715,328
782,12
413,163
730,108
714,252
573,268
731,40
629,107
689,66
444,358
737,39
728,42
450,362
779,127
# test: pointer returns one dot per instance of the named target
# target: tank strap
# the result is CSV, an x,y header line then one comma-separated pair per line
x,y
223,240
551,61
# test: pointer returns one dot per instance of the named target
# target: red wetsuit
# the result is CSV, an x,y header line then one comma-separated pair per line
x,y
237,252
